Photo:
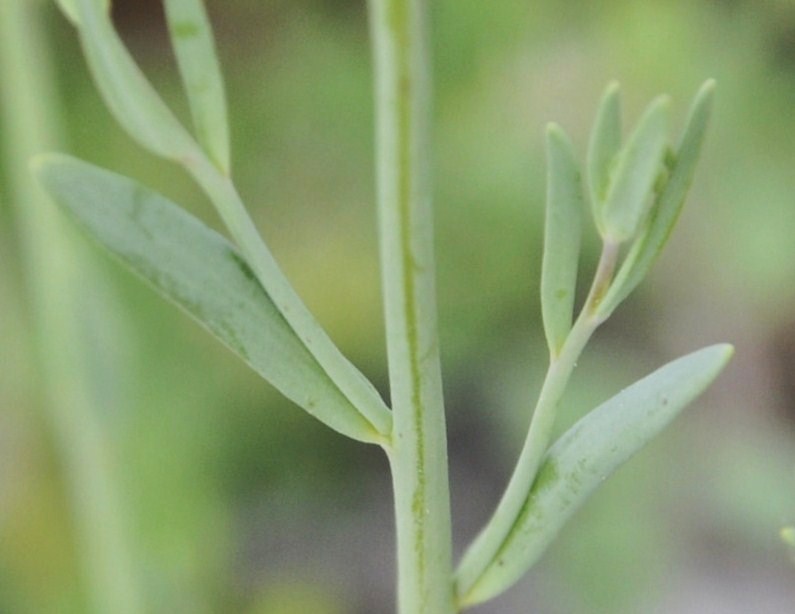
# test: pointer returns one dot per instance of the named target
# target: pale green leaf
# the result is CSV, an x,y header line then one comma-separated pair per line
x,y
126,91
587,454
69,8
562,233
636,169
665,211
603,147
203,273
788,536
194,46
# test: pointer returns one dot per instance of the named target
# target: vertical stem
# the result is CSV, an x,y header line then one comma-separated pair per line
x,y
487,545
59,281
419,449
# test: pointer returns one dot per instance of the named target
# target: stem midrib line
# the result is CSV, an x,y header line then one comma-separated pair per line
x,y
418,456
399,19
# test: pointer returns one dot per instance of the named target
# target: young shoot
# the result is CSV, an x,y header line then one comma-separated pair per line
x,y
634,189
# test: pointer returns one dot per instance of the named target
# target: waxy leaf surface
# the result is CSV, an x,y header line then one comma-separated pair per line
x,y
666,210
128,94
194,46
563,228
636,169
69,8
202,272
603,147
587,454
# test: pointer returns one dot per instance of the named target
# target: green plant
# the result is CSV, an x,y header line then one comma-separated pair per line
x,y
636,190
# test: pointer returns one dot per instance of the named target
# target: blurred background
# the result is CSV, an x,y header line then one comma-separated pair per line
x,y
237,501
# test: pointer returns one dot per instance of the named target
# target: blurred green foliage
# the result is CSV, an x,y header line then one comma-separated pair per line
x,y
231,488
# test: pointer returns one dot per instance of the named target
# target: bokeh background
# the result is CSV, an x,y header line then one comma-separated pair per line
x,y
237,501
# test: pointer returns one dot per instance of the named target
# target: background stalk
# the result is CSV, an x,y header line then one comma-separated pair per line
x,y
419,449
60,281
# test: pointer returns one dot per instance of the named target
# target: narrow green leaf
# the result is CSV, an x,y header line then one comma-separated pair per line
x,y
143,114
130,97
203,273
666,210
562,234
604,145
636,169
194,46
69,8
587,454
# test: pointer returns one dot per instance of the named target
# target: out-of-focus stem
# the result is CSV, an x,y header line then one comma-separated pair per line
x,y
59,282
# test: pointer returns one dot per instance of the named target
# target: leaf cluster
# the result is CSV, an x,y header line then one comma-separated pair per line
x,y
635,189
236,291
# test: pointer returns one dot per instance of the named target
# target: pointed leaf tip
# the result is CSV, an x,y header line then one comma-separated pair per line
x,y
562,235
669,202
636,170
200,271
603,147
708,87
587,454
554,130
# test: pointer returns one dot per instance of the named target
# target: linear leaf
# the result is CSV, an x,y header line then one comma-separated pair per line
x,y
588,453
636,169
69,8
194,46
203,273
130,97
666,210
603,147
562,235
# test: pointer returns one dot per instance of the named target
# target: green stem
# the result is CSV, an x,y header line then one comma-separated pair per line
x,y
359,391
419,448
60,278
487,545
139,109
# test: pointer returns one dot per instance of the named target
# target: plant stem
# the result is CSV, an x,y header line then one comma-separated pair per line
x,y
487,545
111,64
61,280
356,388
419,449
